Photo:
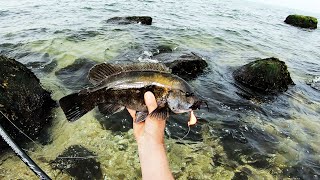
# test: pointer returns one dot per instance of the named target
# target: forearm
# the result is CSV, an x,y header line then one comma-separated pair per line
x,y
153,160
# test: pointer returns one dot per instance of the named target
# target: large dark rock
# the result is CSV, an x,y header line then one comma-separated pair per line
x,y
187,66
147,20
23,101
78,162
302,21
268,75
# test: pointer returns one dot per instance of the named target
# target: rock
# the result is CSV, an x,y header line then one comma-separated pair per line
x,y
315,83
187,66
74,76
23,101
147,20
162,49
268,75
302,21
77,167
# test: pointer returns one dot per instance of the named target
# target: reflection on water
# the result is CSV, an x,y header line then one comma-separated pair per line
x,y
238,138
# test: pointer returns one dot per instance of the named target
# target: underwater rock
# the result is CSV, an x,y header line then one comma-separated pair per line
x,y
187,66
23,101
268,75
80,165
302,21
243,143
146,20
74,76
309,169
162,49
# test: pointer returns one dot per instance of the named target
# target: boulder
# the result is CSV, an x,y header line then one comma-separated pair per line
x,y
268,75
187,66
302,21
146,20
23,101
78,162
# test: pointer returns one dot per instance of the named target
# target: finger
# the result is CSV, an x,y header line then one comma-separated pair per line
x,y
132,113
150,101
137,127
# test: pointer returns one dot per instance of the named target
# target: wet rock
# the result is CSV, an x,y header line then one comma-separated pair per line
x,y
267,76
74,76
78,162
315,83
162,49
147,20
187,66
119,122
23,101
302,21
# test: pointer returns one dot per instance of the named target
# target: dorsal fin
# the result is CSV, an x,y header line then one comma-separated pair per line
x,y
102,71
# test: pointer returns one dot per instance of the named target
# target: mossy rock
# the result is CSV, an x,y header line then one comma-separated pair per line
x,y
302,21
146,20
23,101
268,75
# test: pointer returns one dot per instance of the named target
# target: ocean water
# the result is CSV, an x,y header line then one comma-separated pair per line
x,y
237,139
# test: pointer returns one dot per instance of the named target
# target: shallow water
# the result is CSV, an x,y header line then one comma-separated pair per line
x,y
239,138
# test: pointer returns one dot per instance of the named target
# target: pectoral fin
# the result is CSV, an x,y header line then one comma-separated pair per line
x,y
141,116
161,113
109,109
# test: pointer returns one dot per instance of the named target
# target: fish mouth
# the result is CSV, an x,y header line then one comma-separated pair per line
x,y
198,104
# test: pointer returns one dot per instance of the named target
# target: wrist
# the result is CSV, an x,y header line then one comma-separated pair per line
x,y
149,140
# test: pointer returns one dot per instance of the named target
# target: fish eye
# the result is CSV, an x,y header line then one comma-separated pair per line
x,y
189,94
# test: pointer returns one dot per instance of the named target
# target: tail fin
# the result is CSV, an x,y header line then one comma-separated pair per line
x,y
76,105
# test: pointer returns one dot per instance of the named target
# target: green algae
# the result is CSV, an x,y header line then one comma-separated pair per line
x,y
268,75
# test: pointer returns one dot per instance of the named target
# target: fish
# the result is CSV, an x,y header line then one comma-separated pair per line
x,y
116,86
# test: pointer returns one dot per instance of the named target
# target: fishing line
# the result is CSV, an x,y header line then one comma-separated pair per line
x,y
19,129
187,133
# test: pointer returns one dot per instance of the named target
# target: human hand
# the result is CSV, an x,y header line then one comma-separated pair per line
x,y
152,129
150,138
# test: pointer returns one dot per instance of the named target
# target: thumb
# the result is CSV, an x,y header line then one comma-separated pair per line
x,y
150,101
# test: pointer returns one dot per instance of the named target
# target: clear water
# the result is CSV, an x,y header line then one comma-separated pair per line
x,y
241,138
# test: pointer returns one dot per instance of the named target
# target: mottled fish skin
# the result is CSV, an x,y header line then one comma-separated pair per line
x,y
132,98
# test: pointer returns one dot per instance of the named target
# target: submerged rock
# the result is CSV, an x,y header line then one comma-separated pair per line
x,y
302,21
188,66
78,162
23,101
147,20
268,75
162,49
74,76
